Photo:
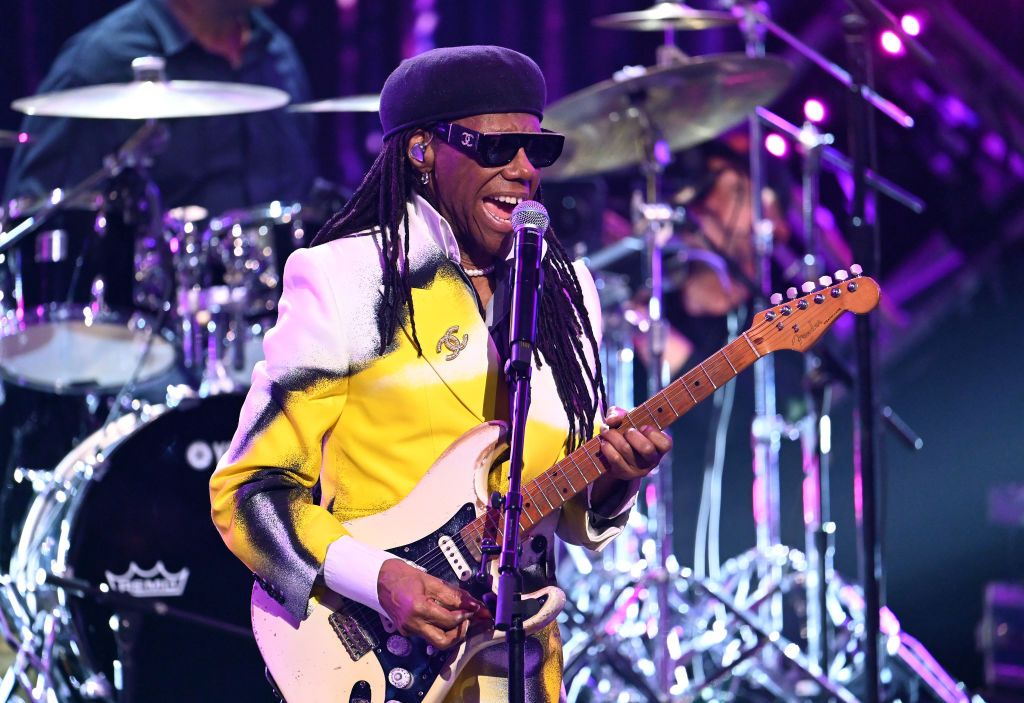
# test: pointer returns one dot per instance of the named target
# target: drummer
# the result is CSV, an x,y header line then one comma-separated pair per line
x,y
216,162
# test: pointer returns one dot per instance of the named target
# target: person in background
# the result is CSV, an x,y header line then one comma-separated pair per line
x,y
218,163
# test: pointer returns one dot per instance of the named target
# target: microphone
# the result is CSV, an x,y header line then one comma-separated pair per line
x,y
529,223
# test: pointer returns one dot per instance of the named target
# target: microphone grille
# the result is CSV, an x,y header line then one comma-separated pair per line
x,y
530,213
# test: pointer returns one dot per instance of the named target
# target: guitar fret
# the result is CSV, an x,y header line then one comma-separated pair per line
x,y
668,399
752,347
560,492
544,495
701,367
726,357
572,458
554,484
567,479
649,413
530,500
694,399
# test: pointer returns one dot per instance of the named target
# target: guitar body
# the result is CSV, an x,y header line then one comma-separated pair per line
x,y
345,650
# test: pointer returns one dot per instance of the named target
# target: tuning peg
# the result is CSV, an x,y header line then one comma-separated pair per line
x,y
856,269
808,287
825,281
776,298
841,275
791,292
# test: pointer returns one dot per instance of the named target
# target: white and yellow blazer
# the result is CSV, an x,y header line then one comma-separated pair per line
x,y
327,406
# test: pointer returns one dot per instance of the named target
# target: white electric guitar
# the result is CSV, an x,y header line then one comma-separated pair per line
x,y
345,651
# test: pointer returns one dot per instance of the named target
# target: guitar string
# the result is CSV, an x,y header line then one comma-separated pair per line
x,y
436,558
476,529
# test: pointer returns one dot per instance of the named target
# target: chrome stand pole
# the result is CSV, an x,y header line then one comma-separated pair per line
x,y
815,432
766,430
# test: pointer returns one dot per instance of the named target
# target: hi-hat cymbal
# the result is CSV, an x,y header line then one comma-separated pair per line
x,y
608,124
154,100
349,103
666,15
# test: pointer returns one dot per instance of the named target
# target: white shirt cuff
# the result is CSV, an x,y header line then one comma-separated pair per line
x,y
351,570
627,501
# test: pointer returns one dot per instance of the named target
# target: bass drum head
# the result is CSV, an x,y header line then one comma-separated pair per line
x,y
144,528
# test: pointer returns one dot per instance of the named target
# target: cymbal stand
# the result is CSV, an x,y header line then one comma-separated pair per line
x,y
767,427
656,221
814,431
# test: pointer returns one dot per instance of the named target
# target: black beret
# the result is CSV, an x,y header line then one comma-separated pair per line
x,y
442,85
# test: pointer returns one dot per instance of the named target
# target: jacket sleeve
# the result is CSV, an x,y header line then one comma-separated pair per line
x,y
261,492
578,522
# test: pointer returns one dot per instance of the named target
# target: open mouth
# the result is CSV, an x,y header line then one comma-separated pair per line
x,y
499,208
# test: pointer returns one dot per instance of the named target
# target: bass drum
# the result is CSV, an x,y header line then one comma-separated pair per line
x,y
129,510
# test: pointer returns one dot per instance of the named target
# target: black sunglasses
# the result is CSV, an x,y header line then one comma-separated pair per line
x,y
499,148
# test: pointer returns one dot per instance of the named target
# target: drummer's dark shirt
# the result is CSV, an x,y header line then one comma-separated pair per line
x,y
216,162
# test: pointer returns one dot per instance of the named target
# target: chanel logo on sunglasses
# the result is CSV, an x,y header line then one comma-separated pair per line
x,y
467,139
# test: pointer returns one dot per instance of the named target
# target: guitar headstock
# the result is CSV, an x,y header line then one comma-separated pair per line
x,y
799,322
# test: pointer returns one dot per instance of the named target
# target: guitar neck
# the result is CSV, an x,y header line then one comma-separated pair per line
x,y
553,488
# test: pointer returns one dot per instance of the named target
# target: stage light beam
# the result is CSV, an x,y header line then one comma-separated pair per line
x,y
891,43
776,145
814,110
911,24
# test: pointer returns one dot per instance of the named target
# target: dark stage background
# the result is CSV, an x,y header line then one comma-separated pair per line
x,y
951,336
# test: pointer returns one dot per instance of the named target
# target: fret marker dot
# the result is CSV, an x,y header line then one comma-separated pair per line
x,y
696,383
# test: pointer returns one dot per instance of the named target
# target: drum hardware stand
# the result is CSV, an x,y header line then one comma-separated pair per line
x,y
656,221
147,141
127,621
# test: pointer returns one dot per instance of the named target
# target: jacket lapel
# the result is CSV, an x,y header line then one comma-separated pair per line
x,y
456,342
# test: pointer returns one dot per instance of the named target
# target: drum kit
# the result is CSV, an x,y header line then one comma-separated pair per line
x,y
117,571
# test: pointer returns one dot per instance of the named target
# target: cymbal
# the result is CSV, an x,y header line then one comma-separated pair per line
x,y
349,103
608,124
666,15
153,100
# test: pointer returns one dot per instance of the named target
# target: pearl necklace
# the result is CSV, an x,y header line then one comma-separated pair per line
x,y
485,271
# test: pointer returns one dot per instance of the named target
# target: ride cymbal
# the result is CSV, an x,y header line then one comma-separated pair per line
x,y
349,103
666,15
153,100
611,125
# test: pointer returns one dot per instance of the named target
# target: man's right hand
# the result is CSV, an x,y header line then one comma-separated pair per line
x,y
420,604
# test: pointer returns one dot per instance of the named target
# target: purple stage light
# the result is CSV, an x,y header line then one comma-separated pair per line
x,y
776,145
911,24
891,43
814,110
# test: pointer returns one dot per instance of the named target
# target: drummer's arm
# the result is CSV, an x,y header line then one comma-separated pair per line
x,y
61,152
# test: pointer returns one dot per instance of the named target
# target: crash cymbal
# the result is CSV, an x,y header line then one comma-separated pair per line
x,y
350,103
666,15
148,100
608,124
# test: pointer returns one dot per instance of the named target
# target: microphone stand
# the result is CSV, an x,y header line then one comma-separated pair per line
x,y
526,282
866,249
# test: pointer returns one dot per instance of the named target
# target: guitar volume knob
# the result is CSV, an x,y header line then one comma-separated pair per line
x,y
400,678
399,646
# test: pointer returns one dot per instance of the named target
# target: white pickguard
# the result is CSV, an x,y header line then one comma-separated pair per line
x,y
307,659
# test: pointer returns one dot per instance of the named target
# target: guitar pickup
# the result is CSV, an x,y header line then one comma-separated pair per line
x,y
455,558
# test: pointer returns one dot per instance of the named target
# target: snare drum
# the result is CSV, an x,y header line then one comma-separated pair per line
x,y
129,510
69,321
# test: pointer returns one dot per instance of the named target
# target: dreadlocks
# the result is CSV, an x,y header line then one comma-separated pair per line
x,y
379,205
